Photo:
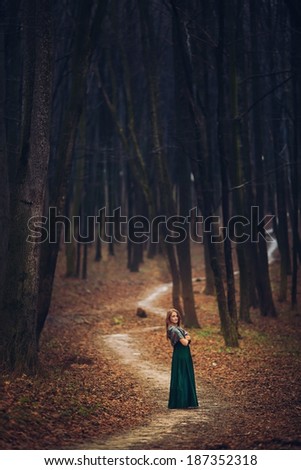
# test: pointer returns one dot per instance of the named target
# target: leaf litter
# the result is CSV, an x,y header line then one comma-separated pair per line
x,y
83,393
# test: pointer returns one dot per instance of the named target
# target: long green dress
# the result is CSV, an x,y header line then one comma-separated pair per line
x,y
182,392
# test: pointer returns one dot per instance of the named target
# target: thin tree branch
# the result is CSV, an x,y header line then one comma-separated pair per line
x,y
269,172
263,75
242,115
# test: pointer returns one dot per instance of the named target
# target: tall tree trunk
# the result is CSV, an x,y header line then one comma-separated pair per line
x,y
203,185
183,152
10,117
167,203
111,200
267,307
133,248
276,147
87,229
18,350
14,78
295,15
4,179
221,114
240,145
86,37
74,211
282,226
209,286
99,199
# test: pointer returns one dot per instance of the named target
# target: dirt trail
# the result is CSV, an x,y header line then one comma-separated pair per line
x,y
208,427
167,427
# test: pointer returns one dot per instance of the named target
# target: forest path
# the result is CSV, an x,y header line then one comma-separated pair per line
x,y
167,429
205,427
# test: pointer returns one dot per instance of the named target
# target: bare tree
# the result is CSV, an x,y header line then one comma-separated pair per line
x,y
20,301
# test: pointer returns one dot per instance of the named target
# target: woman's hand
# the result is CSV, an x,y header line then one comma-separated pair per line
x,y
185,341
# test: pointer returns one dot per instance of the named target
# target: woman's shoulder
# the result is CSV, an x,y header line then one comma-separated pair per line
x,y
173,328
176,329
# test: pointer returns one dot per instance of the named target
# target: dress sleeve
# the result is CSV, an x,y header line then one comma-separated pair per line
x,y
175,334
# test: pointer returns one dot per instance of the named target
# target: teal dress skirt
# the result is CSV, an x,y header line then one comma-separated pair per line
x,y
182,393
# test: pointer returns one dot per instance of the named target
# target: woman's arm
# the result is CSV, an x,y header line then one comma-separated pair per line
x,y
184,341
178,334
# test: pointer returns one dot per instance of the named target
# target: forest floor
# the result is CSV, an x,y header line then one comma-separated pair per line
x,y
103,379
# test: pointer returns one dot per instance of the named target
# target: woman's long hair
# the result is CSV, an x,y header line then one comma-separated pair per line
x,y
168,315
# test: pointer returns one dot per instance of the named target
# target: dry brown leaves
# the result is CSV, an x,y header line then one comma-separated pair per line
x,y
81,393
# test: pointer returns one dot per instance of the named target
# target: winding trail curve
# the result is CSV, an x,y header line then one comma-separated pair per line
x,y
203,428
166,427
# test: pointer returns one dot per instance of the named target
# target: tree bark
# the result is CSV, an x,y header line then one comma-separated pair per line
x,y
13,114
4,177
167,203
86,37
221,115
184,149
295,15
18,349
203,187
266,303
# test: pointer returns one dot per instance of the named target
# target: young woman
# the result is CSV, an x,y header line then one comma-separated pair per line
x,y
182,392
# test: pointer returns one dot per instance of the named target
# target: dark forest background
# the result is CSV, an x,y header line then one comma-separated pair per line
x,y
155,107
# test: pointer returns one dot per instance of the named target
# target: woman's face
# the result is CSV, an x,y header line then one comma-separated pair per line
x,y
174,319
